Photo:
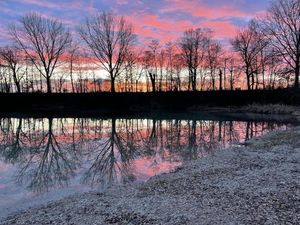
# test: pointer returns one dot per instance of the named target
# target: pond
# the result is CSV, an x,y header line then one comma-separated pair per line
x,y
43,159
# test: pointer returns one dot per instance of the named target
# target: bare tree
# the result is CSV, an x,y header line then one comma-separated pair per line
x,y
193,45
161,62
213,60
248,43
225,64
275,69
232,69
108,38
132,70
150,62
170,61
72,54
43,40
12,59
5,79
282,25
178,67
60,82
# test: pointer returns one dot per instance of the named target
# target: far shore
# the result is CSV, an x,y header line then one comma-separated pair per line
x,y
106,103
254,184
254,112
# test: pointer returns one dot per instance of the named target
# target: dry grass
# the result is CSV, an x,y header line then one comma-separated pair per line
x,y
284,138
269,109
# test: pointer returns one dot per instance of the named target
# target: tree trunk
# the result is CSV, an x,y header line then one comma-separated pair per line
x,y
212,79
248,83
248,79
257,82
263,77
71,76
297,73
194,81
112,85
193,84
220,77
231,80
153,84
224,85
190,80
49,90
17,83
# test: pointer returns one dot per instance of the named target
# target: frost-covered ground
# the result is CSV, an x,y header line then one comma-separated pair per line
x,y
255,184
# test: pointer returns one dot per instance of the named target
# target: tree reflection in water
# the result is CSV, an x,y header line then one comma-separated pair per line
x,y
50,152
44,163
112,157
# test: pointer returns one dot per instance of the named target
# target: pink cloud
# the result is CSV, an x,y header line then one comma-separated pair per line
x,y
166,21
165,30
151,26
54,4
222,29
157,25
197,9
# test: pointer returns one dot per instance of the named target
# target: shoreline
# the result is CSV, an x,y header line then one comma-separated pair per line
x,y
107,103
255,184
203,112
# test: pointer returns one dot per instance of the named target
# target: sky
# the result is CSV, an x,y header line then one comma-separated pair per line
x,y
164,20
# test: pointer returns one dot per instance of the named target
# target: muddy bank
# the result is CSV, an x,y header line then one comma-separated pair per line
x,y
255,184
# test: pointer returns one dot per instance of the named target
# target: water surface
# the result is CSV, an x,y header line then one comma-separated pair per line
x,y
49,158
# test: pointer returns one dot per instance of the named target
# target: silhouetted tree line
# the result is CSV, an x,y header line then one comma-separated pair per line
x,y
49,152
43,56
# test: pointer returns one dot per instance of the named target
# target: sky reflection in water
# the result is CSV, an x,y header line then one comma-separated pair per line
x,y
46,159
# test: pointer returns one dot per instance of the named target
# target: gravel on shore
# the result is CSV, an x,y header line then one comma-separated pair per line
x,y
255,184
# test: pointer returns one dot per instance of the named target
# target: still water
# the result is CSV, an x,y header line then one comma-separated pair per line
x,y
49,158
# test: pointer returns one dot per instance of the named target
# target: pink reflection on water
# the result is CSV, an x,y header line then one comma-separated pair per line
x,y
49,158
146,168
51,152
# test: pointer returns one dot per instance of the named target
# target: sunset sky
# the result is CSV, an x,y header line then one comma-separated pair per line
x,y
153,19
